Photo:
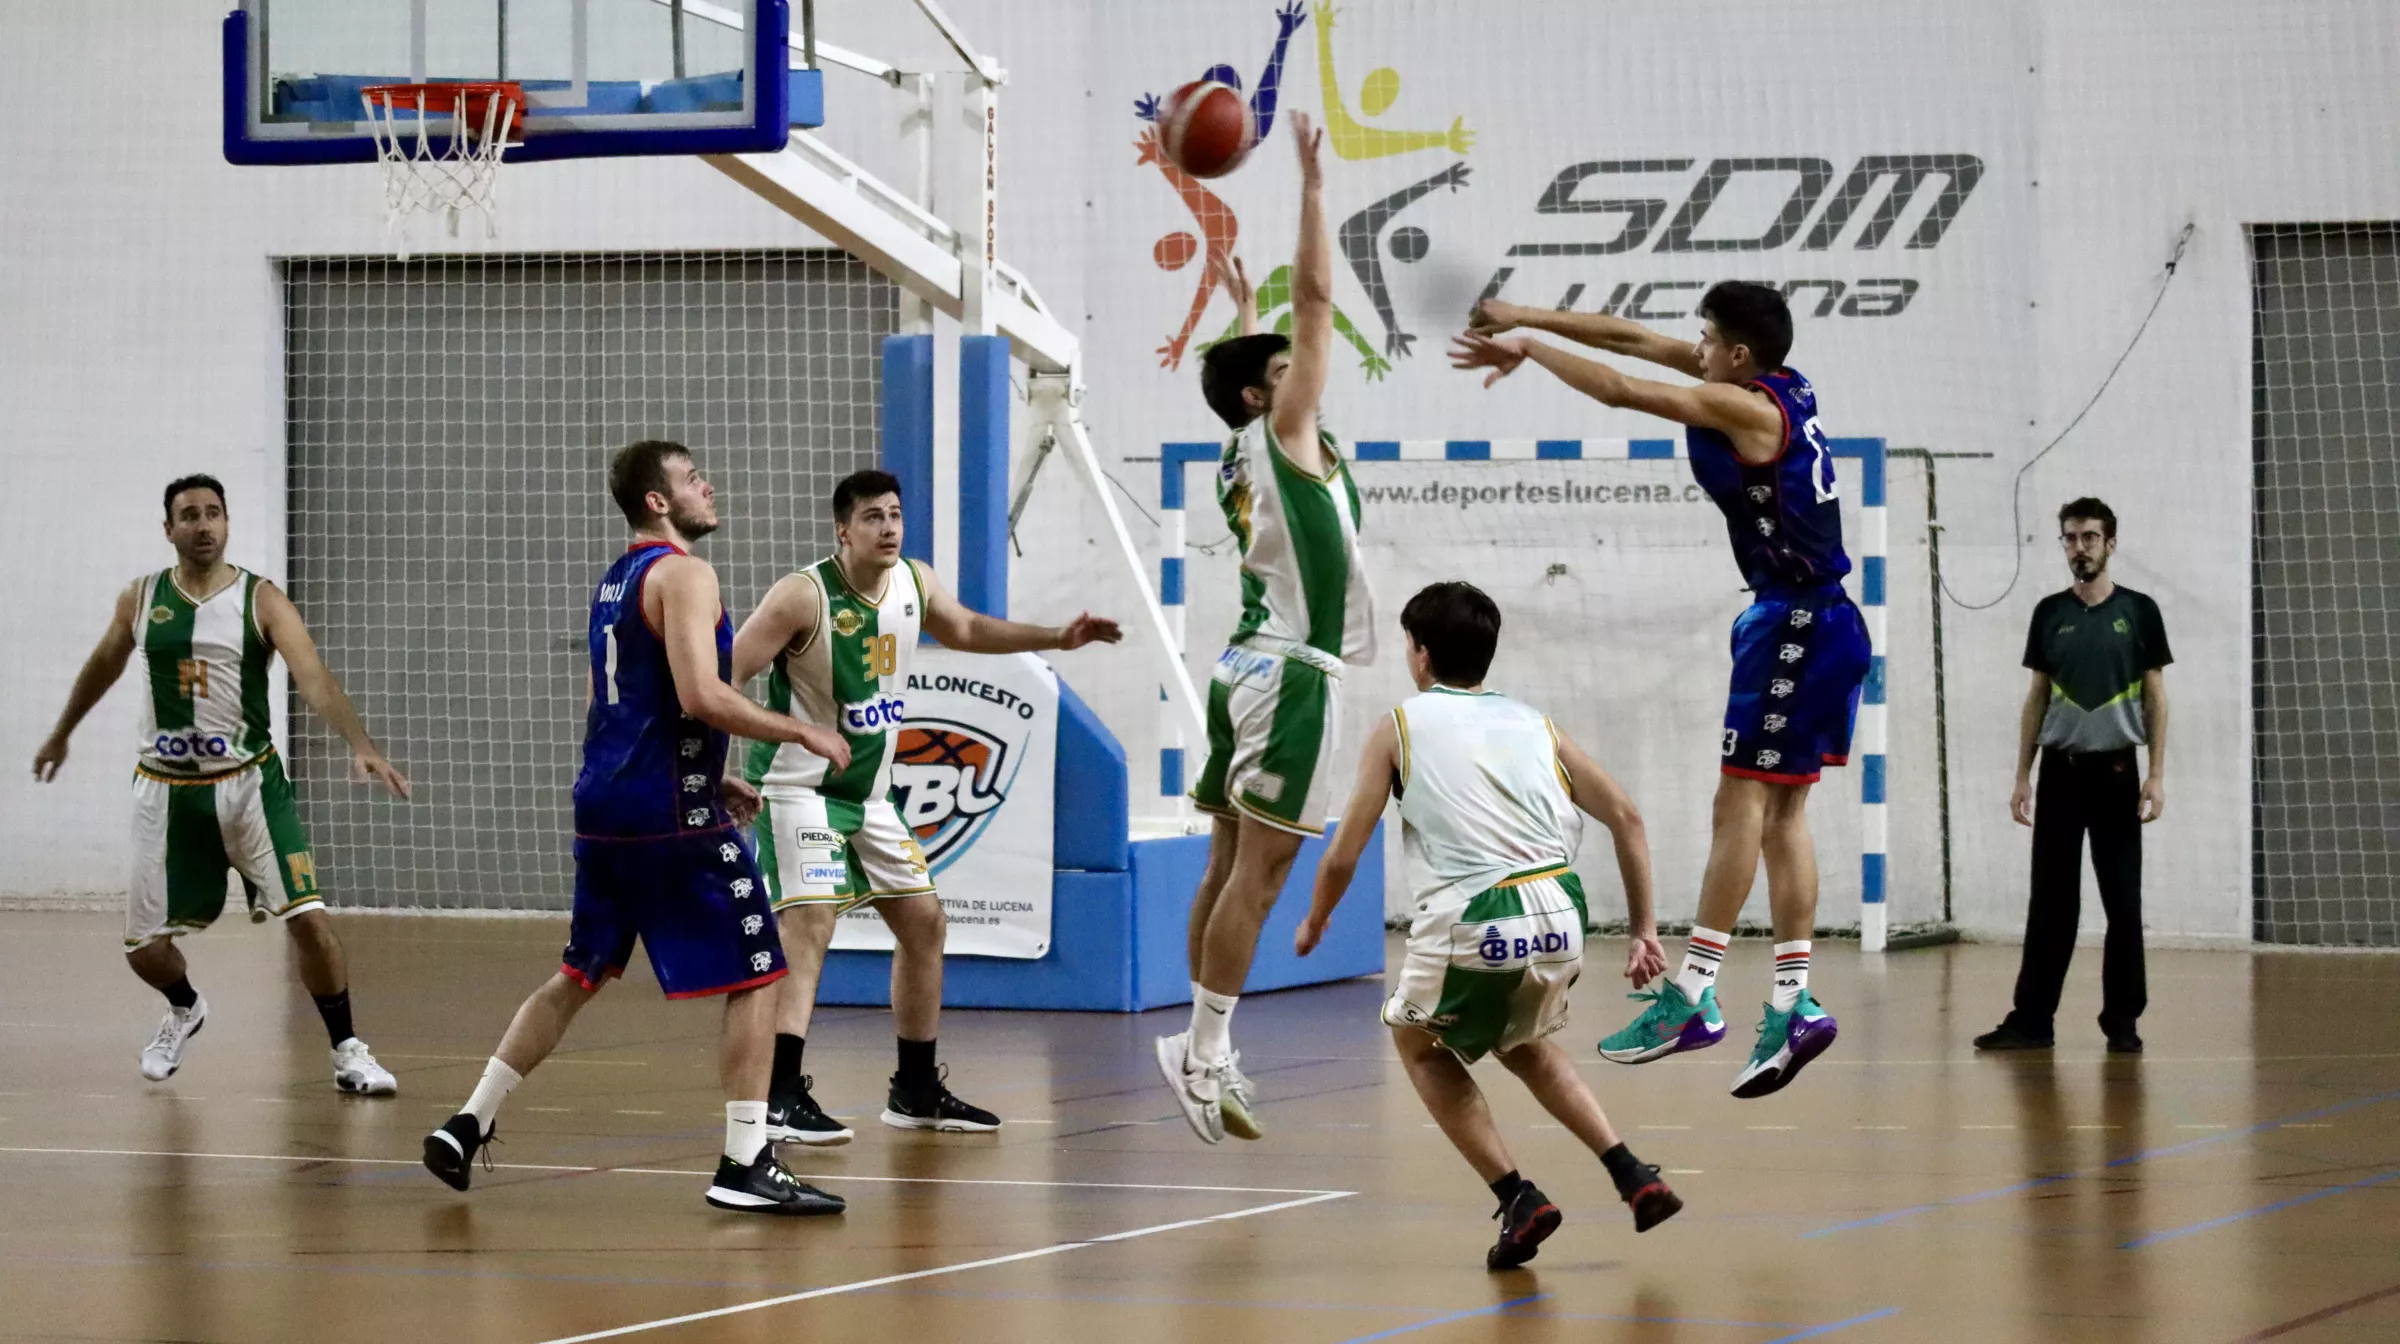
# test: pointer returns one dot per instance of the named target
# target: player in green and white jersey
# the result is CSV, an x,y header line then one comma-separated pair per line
x,y
1489,794
209,792
1274,701
836,640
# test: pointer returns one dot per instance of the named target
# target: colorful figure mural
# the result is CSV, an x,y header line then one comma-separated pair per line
x,y
1362,243
1218,229
1262,102
1353,140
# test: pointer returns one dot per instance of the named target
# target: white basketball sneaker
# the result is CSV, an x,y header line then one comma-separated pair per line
x,y
355,1070
1199,1090
164,1055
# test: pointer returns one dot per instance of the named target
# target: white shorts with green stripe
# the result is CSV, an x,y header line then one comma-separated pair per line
x,y
817,850
188,831
1271,735
1492,973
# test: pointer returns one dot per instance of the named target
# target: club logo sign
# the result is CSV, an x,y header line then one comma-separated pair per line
x,y
950,779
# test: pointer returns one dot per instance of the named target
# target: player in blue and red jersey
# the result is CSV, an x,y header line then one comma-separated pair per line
x,y
1800,653
660,855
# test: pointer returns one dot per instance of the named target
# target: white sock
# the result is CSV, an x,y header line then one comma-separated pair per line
x,y
1791,973
1703,952
1212,1025
745,1130
493,1088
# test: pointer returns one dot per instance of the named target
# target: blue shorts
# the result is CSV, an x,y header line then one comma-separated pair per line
x,y
1799,659
695,901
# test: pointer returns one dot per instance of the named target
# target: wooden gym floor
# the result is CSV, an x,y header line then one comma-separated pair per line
x,y
2240,1182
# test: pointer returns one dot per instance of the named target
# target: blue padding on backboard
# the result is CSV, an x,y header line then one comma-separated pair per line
x,y
1088,828
768,131
983,403
908,437
697,93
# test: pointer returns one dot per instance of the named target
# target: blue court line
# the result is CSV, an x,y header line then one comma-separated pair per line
x,y
2171,1234
1444,1320
2147,1154
1815,1331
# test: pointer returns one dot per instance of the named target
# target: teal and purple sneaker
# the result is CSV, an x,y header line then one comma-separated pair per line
x,y
1786,1042
1670,1025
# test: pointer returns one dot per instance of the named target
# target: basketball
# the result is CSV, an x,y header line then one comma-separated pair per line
x,y
1205,128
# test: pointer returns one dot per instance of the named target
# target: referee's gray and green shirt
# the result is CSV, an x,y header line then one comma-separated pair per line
x,y
2095,657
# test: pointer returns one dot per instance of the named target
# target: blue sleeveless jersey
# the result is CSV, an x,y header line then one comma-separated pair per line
x,y
649,769
1783,516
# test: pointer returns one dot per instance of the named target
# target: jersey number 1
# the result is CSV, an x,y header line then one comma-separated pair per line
x,y
1820,472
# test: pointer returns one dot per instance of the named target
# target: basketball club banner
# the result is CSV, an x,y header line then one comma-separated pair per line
x,y
974,777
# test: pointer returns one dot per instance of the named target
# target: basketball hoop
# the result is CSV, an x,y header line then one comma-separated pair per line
x,y
450,173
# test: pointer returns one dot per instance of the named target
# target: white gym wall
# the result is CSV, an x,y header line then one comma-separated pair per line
x,y
138,318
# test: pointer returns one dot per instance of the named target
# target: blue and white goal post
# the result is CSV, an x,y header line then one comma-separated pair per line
x,y
1873,550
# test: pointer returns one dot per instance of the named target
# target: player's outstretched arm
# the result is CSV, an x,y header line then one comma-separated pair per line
x,y
1374,788
1303,385
1606,802
784,620
100,671
1600,331
280,622
1722,406
956,626
688,607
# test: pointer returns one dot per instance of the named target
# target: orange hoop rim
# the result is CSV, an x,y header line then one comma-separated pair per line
x,y
467,101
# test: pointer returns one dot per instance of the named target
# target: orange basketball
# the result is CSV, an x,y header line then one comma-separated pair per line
x,y
1205,128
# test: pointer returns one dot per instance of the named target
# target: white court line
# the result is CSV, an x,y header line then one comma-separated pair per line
x,y
889,1279
674,1171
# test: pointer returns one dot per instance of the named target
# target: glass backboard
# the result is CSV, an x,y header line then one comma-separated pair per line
x,y
601,77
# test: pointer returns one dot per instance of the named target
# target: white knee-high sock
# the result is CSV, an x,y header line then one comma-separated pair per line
x,y
1212,1025
1703,953
745,1130
1791,973
497,1082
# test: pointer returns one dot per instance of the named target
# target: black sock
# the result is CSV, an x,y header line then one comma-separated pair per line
x,y
787,1060
1626,1170
916,1063
181,994
1507,1187
335,1009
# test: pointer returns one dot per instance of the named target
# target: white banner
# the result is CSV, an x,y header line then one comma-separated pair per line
x,y
974,777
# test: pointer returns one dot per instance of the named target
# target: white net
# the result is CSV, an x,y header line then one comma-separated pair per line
x,y
440,148
449,422
2326,514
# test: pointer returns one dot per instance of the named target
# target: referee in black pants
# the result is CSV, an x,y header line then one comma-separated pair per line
x,y
2098,653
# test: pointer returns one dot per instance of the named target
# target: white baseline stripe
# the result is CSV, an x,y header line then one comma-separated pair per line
x,y
672,1171
890,1279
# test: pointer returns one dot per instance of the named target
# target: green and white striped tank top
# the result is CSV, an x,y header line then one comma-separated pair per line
x,y
1304,587
205,669
1482,795
851,673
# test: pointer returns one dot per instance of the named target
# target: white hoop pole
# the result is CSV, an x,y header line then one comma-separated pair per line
x,y
1874,551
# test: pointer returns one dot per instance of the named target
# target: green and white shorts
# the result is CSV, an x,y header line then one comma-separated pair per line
x,y
1492,973
188,831
1271,735
817,850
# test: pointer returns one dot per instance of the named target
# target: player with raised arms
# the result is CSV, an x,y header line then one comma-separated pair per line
x,y
1273,701
658,852
836,640
1490,793
209,792
1800,652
